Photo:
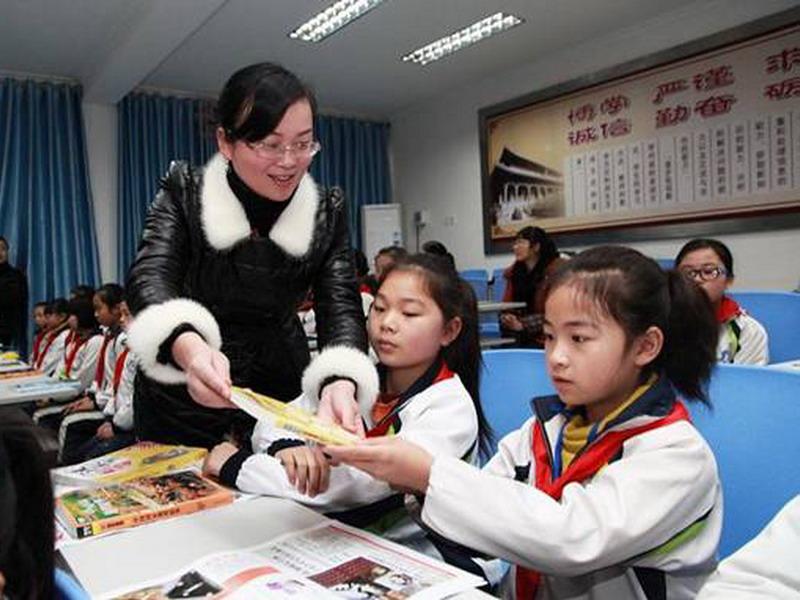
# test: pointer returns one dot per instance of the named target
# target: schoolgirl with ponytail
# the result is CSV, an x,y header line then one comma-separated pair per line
x,y
423,327
607,491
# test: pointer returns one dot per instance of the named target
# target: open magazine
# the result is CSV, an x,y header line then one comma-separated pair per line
x,y
330,561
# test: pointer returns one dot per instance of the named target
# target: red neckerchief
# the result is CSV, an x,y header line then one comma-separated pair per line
x,y
75,344
100,370
728,309
583,467
36,343
50,339
119,367
382,427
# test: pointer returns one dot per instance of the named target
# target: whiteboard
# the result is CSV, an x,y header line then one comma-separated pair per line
x,y
381,226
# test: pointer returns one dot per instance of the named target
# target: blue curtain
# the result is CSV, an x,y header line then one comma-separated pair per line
x,y
153,131
354,157
45,196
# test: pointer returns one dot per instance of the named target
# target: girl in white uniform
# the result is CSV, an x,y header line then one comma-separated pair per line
x,y
607,491
423,327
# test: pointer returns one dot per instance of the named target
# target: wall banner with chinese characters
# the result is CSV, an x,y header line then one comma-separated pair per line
x,y
708,136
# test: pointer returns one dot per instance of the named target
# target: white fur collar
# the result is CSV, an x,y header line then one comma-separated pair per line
x,y
225,222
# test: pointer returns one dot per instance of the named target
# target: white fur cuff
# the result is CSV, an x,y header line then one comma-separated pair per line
x,y
155,323
343,361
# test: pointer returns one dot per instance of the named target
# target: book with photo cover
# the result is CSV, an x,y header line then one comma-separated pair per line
x,y
139,460
92,511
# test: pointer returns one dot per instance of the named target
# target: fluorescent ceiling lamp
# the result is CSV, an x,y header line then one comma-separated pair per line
x,y
462,38
332,19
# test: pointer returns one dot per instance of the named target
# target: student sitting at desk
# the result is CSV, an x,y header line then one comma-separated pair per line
x,y
39,332
423,327
607,491
56,316
742,339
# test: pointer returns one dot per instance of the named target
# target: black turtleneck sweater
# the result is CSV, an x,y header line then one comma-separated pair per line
x,y
262,213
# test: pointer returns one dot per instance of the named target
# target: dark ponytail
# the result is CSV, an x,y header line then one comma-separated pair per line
x,y
690,343
455,298
634,291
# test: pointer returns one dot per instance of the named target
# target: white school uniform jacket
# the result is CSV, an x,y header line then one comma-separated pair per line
x,y
83,364
648,523
742,339
105,389
55,351
441,418
764,569
119,406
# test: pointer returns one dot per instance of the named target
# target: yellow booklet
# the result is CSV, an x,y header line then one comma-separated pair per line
x,y
291,418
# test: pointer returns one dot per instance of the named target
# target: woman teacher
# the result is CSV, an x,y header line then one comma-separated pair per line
x,y
226,255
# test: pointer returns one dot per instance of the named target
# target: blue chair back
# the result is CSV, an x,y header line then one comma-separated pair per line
x,y
509,380
498,284
67,588
752,430
475,274
480,285
665,263
779,313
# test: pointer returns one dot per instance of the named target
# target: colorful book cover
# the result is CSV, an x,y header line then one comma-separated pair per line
x,y
291,418
93,511
143,459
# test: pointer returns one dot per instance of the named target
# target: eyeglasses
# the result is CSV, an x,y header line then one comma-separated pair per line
x,y
704,273
274,151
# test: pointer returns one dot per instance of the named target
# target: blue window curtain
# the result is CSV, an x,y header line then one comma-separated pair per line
x,y
154,130
354,157
45,195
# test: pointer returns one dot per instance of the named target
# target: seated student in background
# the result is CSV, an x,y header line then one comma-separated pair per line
x,y
39,330
51,349
26,516
742,339
115,429
607,491
764,568
78,361
423,327
386,258
536,258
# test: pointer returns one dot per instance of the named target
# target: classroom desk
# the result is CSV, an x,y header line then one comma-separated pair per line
x,y
165,547
486,306
11,391
494,342
789,365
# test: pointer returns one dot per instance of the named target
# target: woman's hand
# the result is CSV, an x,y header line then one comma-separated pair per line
x,y
307,468
207,371
218,456
402,464
105,431
337,404
511,321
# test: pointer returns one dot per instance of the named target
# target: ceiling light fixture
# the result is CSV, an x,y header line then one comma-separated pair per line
x,y
332,19
497,23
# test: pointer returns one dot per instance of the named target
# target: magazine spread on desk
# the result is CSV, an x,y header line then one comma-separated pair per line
x,y
329,561
139,460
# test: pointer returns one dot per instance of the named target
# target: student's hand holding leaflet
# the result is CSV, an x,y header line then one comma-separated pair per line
x,y
400,463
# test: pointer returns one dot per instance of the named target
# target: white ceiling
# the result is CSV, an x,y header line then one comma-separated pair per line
x,y
191,46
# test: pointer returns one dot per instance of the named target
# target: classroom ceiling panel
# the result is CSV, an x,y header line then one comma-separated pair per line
x,y
191,46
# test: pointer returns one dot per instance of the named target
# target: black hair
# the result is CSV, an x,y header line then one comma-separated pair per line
x,y
26,514
720,249
524,282
81,291
83,309
361,263
41,303
255,98
439,249
633,290
111,294
396,252
58,306
5,241
455,298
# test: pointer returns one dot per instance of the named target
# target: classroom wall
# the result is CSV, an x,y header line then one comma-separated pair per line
x,y
435,147
100,122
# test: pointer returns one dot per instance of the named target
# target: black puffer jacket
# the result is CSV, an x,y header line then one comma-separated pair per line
x,y
200,263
